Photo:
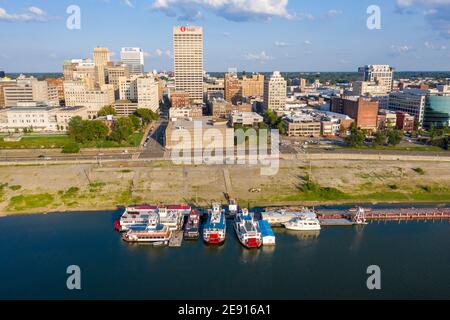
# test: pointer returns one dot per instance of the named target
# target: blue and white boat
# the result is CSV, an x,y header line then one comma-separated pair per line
x,y
214,231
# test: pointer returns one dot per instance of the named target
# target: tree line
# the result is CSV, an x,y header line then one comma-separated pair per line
x,y
86,131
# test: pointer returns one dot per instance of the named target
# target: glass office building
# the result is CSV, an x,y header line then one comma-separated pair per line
x,y
437,112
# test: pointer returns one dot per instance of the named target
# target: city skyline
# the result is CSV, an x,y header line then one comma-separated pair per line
x,y
298,36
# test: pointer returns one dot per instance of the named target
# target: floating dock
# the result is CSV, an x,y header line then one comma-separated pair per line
x,y
336,223
362,216
176,240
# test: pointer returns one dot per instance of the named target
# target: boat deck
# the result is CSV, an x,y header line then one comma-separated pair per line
x,y
176,240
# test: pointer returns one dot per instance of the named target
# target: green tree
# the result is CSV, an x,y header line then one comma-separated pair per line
x,y
76,129
147,115
272,118
107,111
394,136
123,129
94,130
356,137
137,123
71,147
380,138
281,127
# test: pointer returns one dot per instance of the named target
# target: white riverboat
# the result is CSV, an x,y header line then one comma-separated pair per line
x,y
247,230
153,232
280,217
303,224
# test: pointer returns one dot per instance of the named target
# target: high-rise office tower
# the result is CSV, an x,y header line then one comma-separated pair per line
x,y
233,88
133,58
101,59
382,75
188,61
275,89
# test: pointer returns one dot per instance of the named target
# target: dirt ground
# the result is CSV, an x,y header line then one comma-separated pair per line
x,y
90,187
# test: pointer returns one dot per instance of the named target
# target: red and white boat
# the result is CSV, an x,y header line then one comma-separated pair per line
x,y
215,228
154,232
247,230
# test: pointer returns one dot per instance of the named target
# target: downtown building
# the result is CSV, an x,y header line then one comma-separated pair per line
x,y
411,101
379,77
275,92
101,60
133,58
39,117
143,90
253,86
77,94
188,61
363,110
30,89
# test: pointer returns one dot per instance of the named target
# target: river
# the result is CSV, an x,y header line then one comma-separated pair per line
x,y
36,250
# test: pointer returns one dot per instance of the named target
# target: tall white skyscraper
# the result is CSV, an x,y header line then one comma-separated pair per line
x,y
275,89
134,59
188,61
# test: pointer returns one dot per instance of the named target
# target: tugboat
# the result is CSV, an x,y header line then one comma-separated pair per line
x,y
247,230
192,228
154,232
215,228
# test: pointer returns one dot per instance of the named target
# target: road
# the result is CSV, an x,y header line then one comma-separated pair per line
x,y
154,147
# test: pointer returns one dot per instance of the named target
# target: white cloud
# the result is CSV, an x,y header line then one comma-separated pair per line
x,y
333,13
33,14
397,50
128,3
236,10
435,12
158,53
307,42
37,11
260,57
433,46
281,44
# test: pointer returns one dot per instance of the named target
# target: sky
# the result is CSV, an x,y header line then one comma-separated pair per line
x,y
250,35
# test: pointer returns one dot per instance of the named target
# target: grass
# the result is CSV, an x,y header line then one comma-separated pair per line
x,y
32,201
15,188
402,147
419,171
58,141
69,193
36,142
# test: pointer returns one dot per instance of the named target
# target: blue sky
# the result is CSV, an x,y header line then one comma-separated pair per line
x,y
252,35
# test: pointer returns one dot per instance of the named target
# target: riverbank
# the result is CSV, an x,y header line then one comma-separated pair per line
x,y
91,187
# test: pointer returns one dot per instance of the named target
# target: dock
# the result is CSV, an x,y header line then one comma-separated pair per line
x,y
176,240
336,223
